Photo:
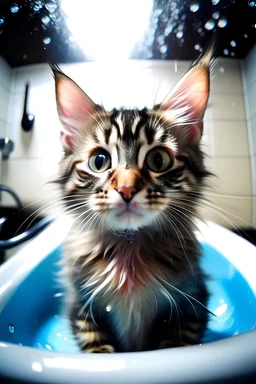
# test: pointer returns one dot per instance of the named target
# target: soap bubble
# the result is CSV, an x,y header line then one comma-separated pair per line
x,y
226,51
233,43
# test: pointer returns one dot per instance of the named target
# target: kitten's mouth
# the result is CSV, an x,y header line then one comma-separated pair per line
x,y
129,211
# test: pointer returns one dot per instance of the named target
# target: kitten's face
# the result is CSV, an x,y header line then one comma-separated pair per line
x,y
131,169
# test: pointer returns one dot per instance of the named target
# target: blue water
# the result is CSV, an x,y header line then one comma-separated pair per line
x,y
33,316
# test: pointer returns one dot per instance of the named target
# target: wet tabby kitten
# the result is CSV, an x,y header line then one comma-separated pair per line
x,y
131,180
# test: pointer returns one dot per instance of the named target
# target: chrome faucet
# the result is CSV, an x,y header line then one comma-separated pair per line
x,y
6,147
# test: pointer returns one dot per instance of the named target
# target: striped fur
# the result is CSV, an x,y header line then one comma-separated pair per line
x,y
131,255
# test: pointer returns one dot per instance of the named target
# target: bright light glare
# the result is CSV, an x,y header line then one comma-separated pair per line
x,y
107,29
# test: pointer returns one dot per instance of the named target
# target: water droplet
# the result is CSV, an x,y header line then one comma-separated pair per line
x,y
59,334
50,5
108,308
47,40
46,20
233,43
216,15
221,69
1,20
200,30
48,347
252,4
197,47
14,8
232,54
183,17
245,36
254,26
163,48
11,328
226,51
25,56
209,25
179,34
180,27
215,2
222,22
168,29
194,6
37,6
157,12
160,39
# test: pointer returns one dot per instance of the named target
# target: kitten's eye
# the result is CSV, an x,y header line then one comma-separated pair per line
x,y
99,161
158,160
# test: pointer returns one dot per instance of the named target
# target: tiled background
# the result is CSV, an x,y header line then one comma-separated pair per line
x,y
34,161
249,82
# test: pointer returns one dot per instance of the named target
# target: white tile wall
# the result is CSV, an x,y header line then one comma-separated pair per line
x,y
249,87
34,160
5,86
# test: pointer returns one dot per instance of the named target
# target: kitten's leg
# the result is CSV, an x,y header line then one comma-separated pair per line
x,y
188,324
183,332
90,338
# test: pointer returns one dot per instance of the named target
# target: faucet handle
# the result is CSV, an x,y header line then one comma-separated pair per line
x,y
6,147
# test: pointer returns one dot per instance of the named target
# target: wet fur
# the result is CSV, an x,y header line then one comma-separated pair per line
x,y
151,293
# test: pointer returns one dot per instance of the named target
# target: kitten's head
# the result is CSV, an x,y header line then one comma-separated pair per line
x,y
128,169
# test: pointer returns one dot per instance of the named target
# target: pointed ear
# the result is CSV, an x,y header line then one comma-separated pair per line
x,y
189,98
74,107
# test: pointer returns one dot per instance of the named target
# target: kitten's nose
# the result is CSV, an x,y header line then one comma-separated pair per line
x,y
127,193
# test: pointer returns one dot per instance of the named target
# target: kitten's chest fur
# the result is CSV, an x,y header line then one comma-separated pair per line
x,y
127,285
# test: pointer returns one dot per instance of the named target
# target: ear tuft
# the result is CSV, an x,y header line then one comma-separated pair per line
x,y
74,107
188,100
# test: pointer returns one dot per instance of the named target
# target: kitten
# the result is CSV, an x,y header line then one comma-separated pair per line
x,y
131,180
